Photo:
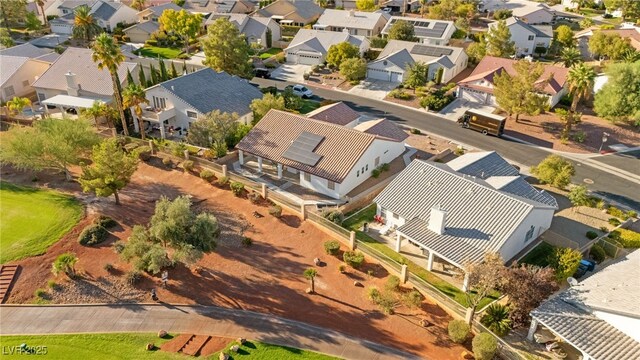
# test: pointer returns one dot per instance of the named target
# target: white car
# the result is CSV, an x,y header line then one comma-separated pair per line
x,y
300,90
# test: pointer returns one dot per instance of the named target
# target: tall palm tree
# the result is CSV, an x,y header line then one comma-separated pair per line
x,y
132,96
84,24
570,56
107,54
40,4
580,78
138,4
16,104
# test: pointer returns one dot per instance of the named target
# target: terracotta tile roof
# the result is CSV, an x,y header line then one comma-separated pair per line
x,y
338,113
490,66
339,149
384,129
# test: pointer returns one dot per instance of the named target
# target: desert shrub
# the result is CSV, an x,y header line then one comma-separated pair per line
x,y
375,173
144,153
632,214
385,167
275,211
131,147
65,263
207,175
565,262
626,238
92,235
435,102
399,94
597,253
484,346
353,258
335,216
459,151
133,277
178,148
237,188
254,197
331,247
413,299
415,131
496,319
166,161
40,293
458,331
223,180
393,283
614,221
246,242
591,235
118,246
342,268
187,165
105,221
108,267
52,284
385,300
615,212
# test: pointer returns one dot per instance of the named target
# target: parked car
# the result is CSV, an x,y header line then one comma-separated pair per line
x,y
300,90
262,73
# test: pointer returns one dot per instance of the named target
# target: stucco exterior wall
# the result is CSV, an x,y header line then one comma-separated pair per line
x,y
540,219
22,79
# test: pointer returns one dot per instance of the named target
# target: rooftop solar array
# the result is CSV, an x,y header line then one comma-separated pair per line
x,y
421,27
430,51
301,149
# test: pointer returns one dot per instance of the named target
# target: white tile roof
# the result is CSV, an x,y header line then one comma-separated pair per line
x,y
321,41
402,53
9,65
350,19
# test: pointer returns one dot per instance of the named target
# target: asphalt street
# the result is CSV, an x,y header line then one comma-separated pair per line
x,y
608,185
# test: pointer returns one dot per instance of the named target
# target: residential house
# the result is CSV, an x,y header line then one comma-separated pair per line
x,y
107,14
460,210
153,13
207,7
291,12
310,47
255,28
74,80
66,7
527,37
397,5
630,33
600,315
445,62
30,51
176,103
329,159
141,32
427,31
337,113
533,13
353,22
18,74
478,87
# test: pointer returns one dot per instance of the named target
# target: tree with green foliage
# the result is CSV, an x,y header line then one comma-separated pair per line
x,y
477,50
612,46
630,8
130,77
618,99
110,171
586,23
138,4
107,55
498,40
416,75
96,110
565,262
164,75
366,5
402,30
154,74
310,274
17,104
450,9
579,196
519,93
32,22
568,118
570,56
85,25
482,279
564,36
54,144
132,97
354,69
502,14
181,23
555,171
65,263
174,72
340,52
526,286
142,79
148,255
580,78
5,38
496,319
261,107
215,127
12,12
630,56
225,49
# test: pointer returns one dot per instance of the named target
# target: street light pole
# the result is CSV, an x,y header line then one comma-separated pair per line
x,y
605,136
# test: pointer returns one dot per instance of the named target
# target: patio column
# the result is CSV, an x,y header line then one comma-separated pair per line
x,y
465,283
162,131
136,128
279,171
259,164
398,242
532,329
241,157
430,262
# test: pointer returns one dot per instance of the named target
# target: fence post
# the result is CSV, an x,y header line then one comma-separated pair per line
x,y
352,240
224,170
151,146
186,154
404,273
264,191
303,212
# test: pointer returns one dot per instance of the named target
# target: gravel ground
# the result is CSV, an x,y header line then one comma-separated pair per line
x,y
108,289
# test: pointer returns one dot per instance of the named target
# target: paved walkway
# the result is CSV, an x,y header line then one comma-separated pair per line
x,y
206,320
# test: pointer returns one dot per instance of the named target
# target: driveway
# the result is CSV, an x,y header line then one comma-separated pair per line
x,y
373,89
454,110
291,72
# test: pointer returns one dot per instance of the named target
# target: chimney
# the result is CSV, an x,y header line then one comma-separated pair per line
x,y
73,88
437,220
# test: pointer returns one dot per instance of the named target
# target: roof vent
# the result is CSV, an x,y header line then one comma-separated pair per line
x,y
172,88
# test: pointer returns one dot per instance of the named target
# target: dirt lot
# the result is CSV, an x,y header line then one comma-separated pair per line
x,y
266,277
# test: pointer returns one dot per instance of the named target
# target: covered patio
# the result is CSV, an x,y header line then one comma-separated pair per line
x,y
64,102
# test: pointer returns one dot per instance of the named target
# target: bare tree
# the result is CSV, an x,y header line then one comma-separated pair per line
x,y
482,279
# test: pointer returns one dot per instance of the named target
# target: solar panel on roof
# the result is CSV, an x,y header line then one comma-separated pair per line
x,y
301,149
430,51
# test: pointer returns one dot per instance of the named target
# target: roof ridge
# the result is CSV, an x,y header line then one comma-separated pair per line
x,y
325,123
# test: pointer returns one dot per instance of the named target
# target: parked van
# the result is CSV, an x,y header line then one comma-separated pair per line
x,y
486,123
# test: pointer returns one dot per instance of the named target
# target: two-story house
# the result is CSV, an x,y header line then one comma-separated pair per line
x,y
527,38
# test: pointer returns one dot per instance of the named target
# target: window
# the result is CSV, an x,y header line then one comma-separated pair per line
x,y
8,91
25,83
366,167
362,171
192,114
529,234
331,185
307,177
530,38
159,103
358,173
376,162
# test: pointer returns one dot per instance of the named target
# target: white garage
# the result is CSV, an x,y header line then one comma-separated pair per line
x,y
304,57
384,75
310,47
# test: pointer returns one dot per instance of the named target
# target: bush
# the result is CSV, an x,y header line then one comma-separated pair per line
x,y
375,173
207,175
399,94
626,238
275,211
392,284
167,161
502,14
144,153
484,346
415,131
458,331
246,242
52,284
614,211
632,214
187,165
331,247
496,319
597,253
129,148
280,57
254,197
614,221
591,235
40,293
342,268
118,246
108,267
353,258
385,167
223,180
435,102
92,235
565,262
237,188
378,42
133,277
105,221
335,216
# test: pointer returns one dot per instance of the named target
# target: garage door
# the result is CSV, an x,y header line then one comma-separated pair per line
x,y
396,77
377,74
473,95
308,58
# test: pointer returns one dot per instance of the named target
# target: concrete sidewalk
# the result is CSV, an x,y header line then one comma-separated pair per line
x,y
205,320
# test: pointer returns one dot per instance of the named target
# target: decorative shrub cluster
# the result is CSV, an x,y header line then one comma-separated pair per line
x,y
237,188
400,94
335,216
597,253
92,235
207,175
353,258
458,331
591,235
331,247
275,211
626,238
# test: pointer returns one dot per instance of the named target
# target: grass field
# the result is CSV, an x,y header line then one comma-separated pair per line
x,y
132,346
355,223
33,219
539,255
308,106
269,53
154,52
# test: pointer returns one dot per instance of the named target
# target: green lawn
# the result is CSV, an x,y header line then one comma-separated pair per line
x,y
132,346
308,106
539,255
355,223
33,219
163,52
269,53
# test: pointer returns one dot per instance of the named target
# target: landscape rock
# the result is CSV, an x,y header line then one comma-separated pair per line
x,y
242,340
235,348
223,356
150,346
357,283
162,334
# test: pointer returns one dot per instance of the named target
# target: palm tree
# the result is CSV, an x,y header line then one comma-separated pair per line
x,y
496,318
138,4
311,274
40,4
107,54
132,96
570,56
16,104
84,24
630,56
580,78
